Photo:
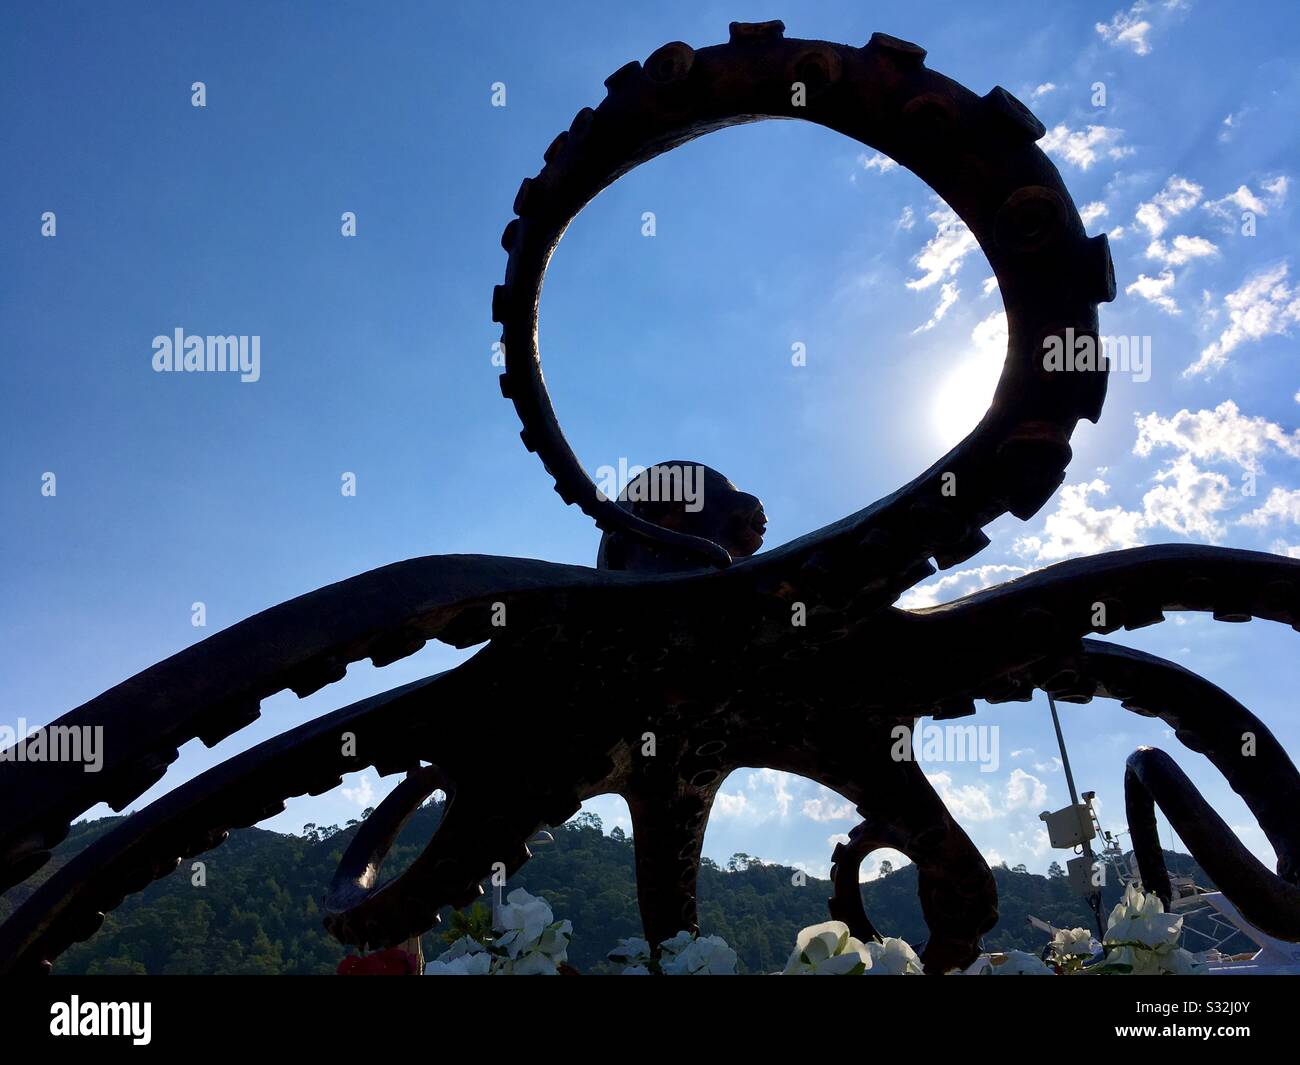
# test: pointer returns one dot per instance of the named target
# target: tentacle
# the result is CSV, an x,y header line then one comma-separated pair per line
x,y
1152,778
391,732
214,688
845,903
487,823
1000,640
955,885
976,152
1207,720
668,828
357,875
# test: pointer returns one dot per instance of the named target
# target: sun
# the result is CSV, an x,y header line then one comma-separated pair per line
x,y
965,393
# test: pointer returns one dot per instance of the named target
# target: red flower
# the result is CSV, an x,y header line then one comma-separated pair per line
x,y
392,962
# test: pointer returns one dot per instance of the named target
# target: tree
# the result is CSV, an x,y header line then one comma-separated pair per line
x,y
586,819
1054,871
886,867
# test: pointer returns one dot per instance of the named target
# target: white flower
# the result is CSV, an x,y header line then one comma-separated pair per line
x,y
1141,919
632,951
465,957
678,943
828,950
893,957
523,920
1073,942
1018,963
1142,939
707,956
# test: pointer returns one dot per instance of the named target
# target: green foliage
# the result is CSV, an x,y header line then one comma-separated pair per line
x,y
260,911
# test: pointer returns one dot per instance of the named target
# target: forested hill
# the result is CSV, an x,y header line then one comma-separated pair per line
x,y
259,911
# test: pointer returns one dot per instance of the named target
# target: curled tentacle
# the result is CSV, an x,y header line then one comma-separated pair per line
x,y
214,688
1152,778
955,885
357,875
485,824
845,903
1207,720
976,152
391,731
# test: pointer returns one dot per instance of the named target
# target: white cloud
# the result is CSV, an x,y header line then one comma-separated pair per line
x,y
1078,528
879,162
1183,250
829,808
948,295
1228,209
1132,28
1231,123
1282,505
777,784
1082,147
730,804
1223,434
1187,499
1042,90
1053,765
943,253
1090,212
906,220
363,794
1178,196
1127,28
1263,306
1155,290
967,802
991,282
1025,790
1034,842
957,584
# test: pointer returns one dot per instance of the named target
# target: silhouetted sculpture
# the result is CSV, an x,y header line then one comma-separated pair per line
x,y
657,675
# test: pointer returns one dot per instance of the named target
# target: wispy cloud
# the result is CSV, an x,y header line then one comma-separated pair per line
x,y
1265,305
1083,147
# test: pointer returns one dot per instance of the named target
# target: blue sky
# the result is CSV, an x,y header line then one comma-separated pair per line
x,y
376,350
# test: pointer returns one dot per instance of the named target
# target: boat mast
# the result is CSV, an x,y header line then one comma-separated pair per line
x,y
1093,897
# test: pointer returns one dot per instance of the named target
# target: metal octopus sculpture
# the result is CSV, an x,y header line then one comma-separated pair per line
x,y
682,632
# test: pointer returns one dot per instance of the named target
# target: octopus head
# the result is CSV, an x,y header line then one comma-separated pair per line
x,y
687,497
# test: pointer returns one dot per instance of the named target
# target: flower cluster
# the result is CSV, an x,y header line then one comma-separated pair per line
x,y
684,954
1142,939
829,950
529,942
